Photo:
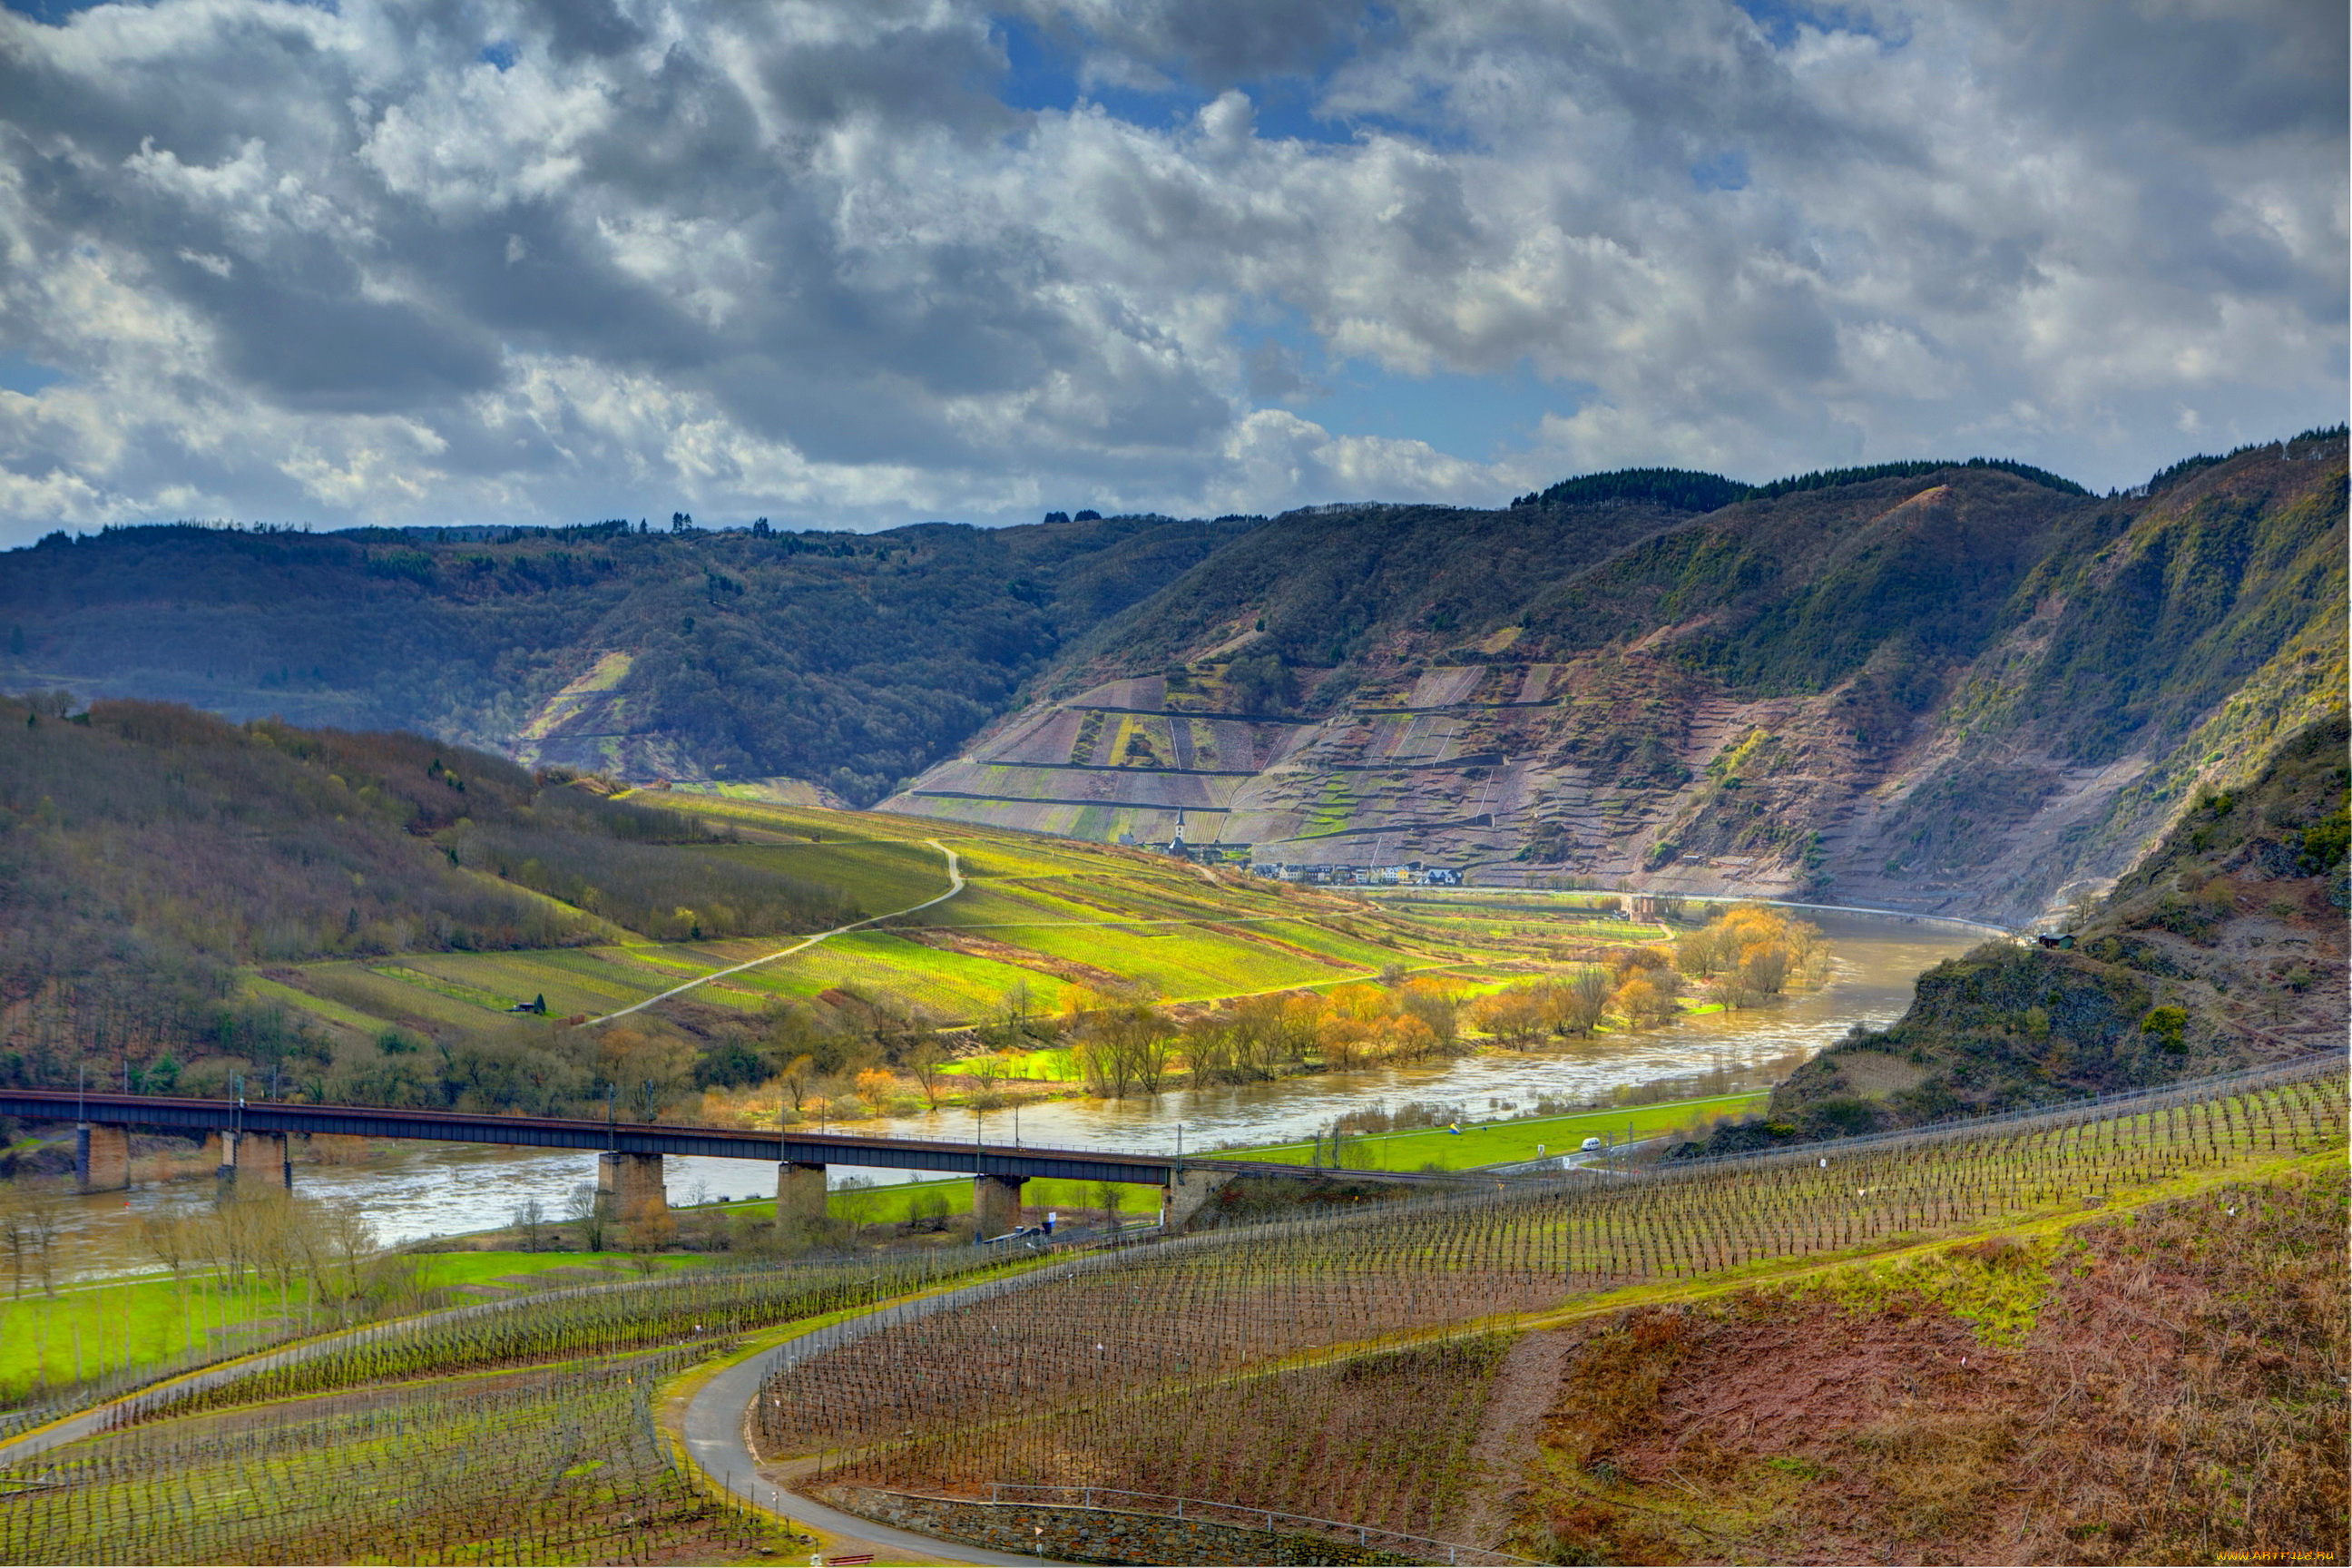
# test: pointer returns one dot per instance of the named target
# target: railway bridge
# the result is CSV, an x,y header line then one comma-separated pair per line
x,y
629,1155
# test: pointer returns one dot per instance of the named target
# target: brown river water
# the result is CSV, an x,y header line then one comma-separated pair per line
x,y
413,1191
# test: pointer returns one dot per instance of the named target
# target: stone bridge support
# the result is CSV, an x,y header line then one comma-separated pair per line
x,y
254,1162
1186,1193
102,1157
630,1192
996,1204
799,1196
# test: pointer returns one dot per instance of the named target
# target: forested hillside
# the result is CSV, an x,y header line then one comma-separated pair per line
x,y
845,662
148,851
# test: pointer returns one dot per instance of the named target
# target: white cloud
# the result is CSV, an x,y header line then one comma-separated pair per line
x,y
547,259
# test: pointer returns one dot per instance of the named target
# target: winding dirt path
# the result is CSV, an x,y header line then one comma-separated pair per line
x,y
955,885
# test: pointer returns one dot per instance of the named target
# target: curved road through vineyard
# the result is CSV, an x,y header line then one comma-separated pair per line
x,y
718,1414
717,1417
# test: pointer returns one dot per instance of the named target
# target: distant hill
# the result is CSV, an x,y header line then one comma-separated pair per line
x,y
1964,687
843,661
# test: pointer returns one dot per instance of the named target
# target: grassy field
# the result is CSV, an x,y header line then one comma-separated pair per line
x,y
155,1320
1048,915
1503,1143
1055,1064
904,1201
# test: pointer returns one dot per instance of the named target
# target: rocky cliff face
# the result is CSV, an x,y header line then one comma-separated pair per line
x,y
1964,691
2222,948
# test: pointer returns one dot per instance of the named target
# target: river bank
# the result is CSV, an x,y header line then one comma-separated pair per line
x,y
413,1192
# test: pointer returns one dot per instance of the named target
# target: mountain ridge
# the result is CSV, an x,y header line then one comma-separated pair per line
x,y
1965,687
1936,691
845,662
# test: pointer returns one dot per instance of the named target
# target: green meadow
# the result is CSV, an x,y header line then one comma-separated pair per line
x,y
1037,916
1504,1143
904,1201
153,1320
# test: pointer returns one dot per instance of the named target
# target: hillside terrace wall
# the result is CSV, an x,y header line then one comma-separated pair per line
x,y
1094,1534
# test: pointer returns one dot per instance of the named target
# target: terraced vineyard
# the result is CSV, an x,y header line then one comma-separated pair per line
x,y
1625,694
555,1463
1248,1367
515,1431
699,1304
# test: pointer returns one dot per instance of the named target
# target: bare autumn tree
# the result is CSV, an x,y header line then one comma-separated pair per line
x,y
1125,1046
798,1077
1107,1199
1580,1003
1515,1014
15,1230
1436,1004
166,1235
32,1217
981,1075
925,1060
1208,1050
583,1209
350,1248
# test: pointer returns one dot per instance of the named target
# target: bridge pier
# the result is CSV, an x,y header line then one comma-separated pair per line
x,y
629,1191
254,1162
102,1157
800,1194
1185,1193
996,1204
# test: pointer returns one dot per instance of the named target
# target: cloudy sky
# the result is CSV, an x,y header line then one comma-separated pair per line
x,y
863,262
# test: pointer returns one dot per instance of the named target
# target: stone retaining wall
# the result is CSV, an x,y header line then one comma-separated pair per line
x,y
1095,1534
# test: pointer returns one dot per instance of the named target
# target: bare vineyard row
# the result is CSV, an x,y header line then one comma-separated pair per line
x,y
553,1466
701,1303
1331,1433
1148,1370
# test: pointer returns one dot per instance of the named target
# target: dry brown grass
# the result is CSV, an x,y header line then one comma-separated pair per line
x,y
2181,1395
2195,1371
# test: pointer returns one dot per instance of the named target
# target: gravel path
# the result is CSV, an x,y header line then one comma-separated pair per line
x,y
718,1417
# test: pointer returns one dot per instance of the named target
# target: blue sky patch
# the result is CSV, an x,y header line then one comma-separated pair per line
x,y
1042,75
1475,418
20,375
1782,19
1720,172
